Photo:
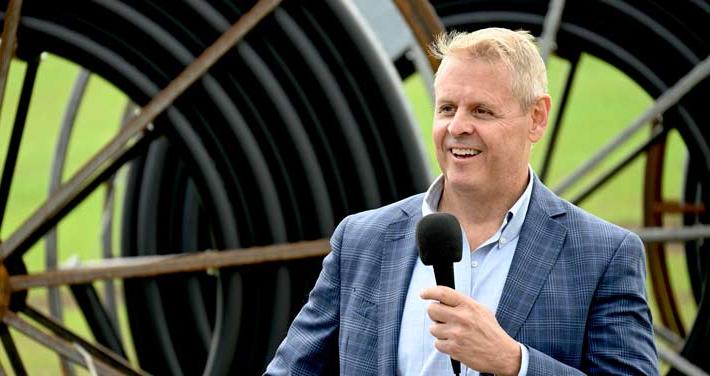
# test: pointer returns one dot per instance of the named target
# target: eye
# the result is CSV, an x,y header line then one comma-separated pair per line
x,y
446,109
481,111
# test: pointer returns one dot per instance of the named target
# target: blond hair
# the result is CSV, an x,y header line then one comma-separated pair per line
x,y
516,49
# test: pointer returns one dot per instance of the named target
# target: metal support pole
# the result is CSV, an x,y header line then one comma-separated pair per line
x,y
663,103
553,18
8,43
424,22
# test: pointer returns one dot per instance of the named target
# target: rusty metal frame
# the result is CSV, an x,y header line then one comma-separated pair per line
x,y
8,43
660,278
424,23
151,266
95,351
58,344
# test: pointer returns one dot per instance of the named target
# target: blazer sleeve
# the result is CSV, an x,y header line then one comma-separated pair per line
x,y
312,339
619,333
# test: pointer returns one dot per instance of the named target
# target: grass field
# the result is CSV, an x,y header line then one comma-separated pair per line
x,y
79,233
602,103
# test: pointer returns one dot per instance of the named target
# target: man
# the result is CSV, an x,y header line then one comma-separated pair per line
x,y
543,287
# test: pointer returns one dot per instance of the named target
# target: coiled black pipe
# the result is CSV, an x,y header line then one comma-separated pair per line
x,y
296,127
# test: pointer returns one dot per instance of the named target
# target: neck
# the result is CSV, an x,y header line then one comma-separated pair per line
x,y
486,205
480,213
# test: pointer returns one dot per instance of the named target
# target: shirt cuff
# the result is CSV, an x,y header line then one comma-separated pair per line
x,y
524,358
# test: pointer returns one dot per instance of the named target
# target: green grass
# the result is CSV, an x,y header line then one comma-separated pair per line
x,y
602,103
40,361
78,233
97,121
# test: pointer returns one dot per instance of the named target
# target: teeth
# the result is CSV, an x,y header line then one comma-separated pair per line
x,y
458,151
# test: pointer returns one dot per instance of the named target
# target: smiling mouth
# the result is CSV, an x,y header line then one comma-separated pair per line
x,y
462,153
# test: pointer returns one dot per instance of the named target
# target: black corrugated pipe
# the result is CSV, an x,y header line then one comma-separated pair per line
x,y
299,125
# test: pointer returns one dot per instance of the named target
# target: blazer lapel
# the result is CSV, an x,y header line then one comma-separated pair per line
x,y
540,242
399,255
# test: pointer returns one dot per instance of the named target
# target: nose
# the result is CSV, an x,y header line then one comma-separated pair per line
x,y
461,124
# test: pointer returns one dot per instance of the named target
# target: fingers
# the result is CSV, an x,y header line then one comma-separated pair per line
x,y
438,330
448,346
443,294
445,346
449,303
439,312
443,340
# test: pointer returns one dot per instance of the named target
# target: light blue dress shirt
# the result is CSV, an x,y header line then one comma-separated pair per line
x,y
480,275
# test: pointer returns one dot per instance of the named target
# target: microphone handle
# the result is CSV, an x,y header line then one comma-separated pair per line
x,y
444,274
456,365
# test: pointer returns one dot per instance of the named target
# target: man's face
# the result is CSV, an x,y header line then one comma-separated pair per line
x,y
481,133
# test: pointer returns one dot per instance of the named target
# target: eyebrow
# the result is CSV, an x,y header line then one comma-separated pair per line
x,y
444,100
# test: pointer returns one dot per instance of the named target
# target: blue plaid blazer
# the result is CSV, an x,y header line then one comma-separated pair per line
x,y
575,295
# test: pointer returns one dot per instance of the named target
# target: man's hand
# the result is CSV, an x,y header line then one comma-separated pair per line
x,y
470,333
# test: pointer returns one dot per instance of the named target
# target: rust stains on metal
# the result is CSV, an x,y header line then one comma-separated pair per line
x,y
655,252
55,343
96,351
8,42
150,266
5,290
424,22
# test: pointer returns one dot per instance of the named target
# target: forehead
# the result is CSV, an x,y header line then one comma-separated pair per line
x,y
473,78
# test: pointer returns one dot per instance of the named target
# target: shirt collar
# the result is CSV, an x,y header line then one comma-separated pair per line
x,y
433,196
513,220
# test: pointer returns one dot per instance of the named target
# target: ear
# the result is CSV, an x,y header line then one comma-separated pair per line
x,y
538,114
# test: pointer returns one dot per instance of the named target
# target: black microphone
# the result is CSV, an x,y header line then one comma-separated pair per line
x,y
439,241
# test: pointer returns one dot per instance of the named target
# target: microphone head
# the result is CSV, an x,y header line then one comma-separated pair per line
x,y
439,239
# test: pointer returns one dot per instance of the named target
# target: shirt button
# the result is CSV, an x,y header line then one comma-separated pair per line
x,y
474,264
503,241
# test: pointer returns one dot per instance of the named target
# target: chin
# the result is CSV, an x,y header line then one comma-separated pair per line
x,y
464,183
